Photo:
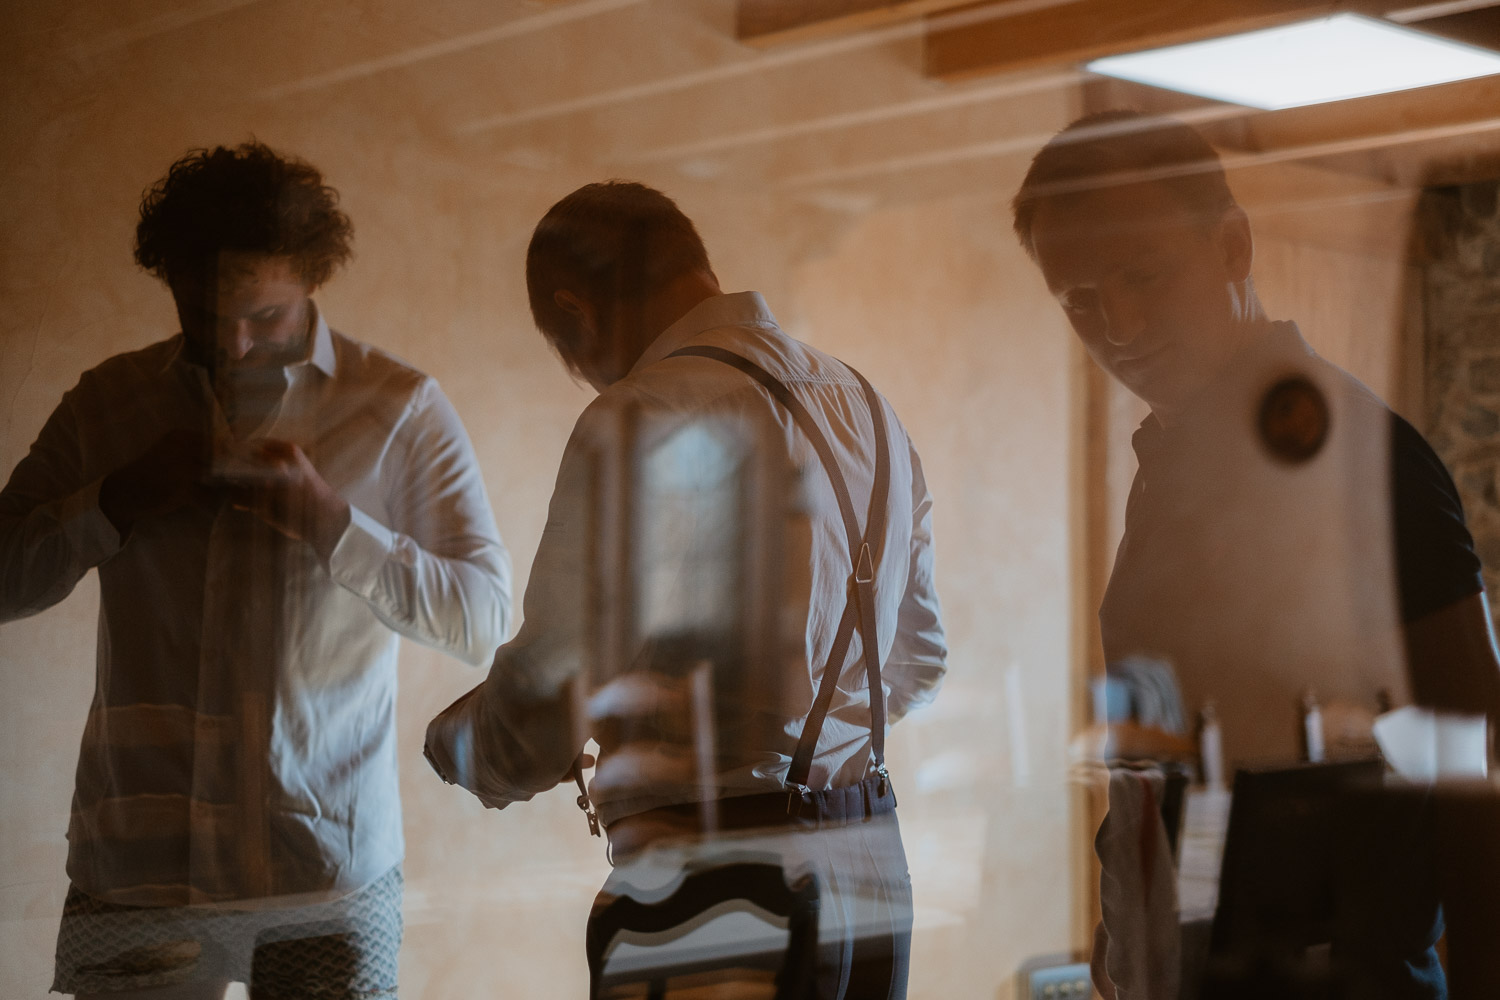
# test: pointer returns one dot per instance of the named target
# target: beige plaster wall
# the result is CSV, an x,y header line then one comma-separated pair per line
x,y
932,301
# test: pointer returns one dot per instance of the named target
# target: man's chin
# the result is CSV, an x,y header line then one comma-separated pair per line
x,y
1137,383
251,367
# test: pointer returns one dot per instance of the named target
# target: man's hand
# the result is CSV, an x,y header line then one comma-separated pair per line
x,y
172,473
276,480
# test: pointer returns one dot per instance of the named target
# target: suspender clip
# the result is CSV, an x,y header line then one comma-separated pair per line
x,y
593,817
585,803
885,777
794,794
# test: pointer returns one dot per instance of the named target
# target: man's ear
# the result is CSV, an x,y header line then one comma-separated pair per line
x,y
580,309
1236,244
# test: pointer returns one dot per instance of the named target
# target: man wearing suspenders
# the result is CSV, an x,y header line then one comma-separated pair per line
x,y
620,285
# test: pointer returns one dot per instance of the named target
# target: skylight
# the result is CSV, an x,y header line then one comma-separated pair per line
x,y
1329,59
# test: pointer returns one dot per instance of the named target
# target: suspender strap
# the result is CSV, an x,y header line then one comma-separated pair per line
x,y
864,556
864,577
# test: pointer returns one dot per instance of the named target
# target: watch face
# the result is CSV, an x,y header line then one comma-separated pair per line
x,y
1294,420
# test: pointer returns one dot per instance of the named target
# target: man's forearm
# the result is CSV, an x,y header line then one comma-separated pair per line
x,y
457,604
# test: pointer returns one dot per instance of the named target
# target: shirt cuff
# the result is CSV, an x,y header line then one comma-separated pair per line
x,y
361,552
89,533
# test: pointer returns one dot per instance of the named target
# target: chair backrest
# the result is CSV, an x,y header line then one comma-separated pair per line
x,y
1278,882
763,885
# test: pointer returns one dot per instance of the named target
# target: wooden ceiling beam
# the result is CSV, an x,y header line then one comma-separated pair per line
x,y
1458,125
1479,26
1449,104
764,23
1368,136
1460,159
966,43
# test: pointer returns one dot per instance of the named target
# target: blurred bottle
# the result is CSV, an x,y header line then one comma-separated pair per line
x,y
1313,748
1211,747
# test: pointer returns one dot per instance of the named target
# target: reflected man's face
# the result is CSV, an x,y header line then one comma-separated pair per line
x,y
1145,284
253,315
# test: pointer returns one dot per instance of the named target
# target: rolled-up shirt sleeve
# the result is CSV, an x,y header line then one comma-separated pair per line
x,y
919,654
438,573
52,531
515,735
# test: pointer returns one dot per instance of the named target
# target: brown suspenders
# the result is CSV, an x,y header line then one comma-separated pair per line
x,y
864,556
873,795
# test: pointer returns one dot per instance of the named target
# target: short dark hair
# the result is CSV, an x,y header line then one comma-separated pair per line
x,y
1119,147
248,198
611,243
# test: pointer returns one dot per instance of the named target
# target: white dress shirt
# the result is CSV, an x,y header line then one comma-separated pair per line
x,y
514,735
241,742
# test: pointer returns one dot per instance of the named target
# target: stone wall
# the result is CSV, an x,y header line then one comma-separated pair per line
x,y
1461,302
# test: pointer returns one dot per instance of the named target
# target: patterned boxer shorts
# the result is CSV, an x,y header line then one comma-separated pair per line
x,y
342,949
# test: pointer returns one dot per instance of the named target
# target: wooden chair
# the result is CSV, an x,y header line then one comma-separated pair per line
x,y
762,885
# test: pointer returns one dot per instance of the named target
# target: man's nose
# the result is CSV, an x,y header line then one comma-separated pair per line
x,y
1123,319
235,340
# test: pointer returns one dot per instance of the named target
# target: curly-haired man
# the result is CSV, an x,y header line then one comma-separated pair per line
x,y
269,504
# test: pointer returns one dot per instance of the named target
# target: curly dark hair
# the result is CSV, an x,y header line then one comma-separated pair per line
x,y
248,198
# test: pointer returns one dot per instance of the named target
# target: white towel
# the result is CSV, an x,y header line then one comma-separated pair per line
x,y
1137,891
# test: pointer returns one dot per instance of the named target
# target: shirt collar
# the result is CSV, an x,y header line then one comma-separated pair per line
x,y
320,353
322,356
1281,339
734,309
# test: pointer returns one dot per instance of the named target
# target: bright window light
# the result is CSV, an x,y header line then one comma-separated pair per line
x,y
1330,59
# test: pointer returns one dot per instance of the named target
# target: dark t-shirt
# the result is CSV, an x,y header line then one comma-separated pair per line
x,y
1435,560
1206,541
